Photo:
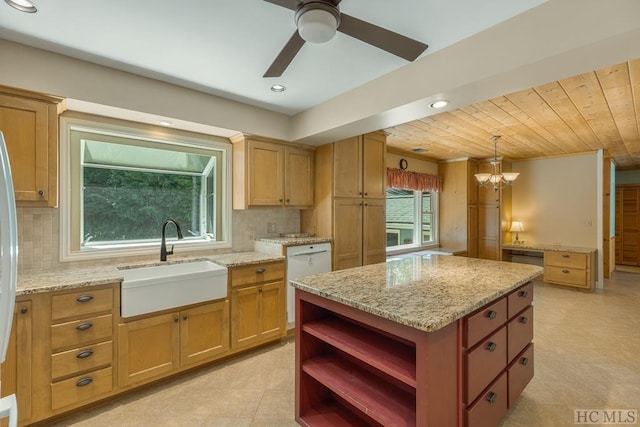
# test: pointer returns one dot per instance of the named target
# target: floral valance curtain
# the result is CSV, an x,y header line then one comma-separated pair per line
x,y
406,180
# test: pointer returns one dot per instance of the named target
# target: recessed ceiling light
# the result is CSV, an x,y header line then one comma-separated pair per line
x,y
278,88
419,150
22,5
439,104
165,123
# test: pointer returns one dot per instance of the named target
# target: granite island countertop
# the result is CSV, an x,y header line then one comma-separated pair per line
x,y
423,292
56,280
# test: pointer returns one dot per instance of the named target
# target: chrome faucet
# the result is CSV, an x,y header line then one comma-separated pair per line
x,y
163,247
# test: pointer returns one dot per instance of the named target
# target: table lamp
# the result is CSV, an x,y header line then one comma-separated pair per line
x,y
516,226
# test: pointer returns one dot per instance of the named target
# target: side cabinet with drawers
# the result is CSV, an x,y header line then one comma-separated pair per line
x,y
568,268
498,356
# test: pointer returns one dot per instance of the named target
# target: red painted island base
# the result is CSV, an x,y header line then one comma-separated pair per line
x,y
357,369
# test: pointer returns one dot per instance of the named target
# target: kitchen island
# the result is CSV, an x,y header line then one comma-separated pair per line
x,y
421,341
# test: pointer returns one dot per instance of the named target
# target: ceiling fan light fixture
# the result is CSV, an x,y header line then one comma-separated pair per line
x,y
317,22
22,5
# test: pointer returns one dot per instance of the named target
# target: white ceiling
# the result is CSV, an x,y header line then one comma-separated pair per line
x,y
223,47
477,51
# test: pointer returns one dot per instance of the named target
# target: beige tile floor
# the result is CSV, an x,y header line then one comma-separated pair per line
x,y
587,356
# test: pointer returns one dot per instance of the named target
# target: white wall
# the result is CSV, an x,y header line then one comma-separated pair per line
x,y
557,201
628,177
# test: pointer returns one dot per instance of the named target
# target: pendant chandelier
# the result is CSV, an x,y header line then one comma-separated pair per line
x,y
495,179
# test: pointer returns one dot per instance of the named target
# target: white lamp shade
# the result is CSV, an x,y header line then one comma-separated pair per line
x,y
510,176
495,179
317,26
482,177
517,226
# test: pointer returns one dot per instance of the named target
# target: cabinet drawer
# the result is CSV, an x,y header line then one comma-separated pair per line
x,y
81,359
485,362
519,299
491,407
519,333
257,273
566,259
81,388
520,373
80,303
566,275
79,332
485,321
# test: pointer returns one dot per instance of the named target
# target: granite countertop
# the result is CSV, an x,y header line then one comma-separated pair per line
x,y
56,280
423,292
548,247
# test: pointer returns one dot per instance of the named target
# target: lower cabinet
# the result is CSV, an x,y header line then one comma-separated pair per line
x,y
156,346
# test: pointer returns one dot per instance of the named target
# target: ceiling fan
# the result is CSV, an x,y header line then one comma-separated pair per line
x,y
318,21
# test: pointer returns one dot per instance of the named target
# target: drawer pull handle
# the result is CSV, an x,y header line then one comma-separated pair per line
x,y
84,298
84,326
84,354
524,320
84,381
491,397
565,271
260,270
491,314
184,317
491,346
524,361
565,255
523,294
24,310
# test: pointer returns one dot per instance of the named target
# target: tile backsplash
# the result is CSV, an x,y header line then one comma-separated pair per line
x,y
39,236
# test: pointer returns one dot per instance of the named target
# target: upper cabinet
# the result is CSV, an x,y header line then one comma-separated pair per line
x,y
359,169
29,122
270,173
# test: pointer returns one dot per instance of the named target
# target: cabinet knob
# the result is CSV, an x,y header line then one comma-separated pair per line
x,y
366,194
523,294
280,200
491,314
524,320
565,255
491,346
84,298
24,310
184,317
288,200
565,271
260,290
176,319
84,381
524,361
360,193
366,204
84,354
84,326
260,270
491,397
41,193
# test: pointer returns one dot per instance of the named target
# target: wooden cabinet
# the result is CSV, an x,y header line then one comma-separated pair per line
x,y
81,331
155,346
628,224
17,368
350,188
258,302
270,173
569,268
29,122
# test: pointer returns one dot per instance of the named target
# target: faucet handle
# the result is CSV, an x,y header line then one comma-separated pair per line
x,y
170,251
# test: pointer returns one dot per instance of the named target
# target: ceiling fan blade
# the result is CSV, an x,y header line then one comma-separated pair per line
x,y
394,43
289,4
285,56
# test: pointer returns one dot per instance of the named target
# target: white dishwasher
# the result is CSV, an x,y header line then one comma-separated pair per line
x,y
304,261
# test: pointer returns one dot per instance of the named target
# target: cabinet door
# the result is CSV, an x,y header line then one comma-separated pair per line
x,y
16,370
619,235
472,182
26,126
374,236
489,232
374,175
148,348
266,181
298,177
347,167
245,319
347,233
272,310
472,231
204,332
630,225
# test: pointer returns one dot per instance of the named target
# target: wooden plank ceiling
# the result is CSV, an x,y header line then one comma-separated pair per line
x,y
595,110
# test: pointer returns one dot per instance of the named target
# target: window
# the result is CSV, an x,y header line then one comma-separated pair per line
x,y
123,183
411,218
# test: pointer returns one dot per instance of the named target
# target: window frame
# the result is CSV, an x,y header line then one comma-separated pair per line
x,y
149,134
417,230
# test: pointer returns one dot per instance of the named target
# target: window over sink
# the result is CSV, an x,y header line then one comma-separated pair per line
x,y
121,182
411,219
